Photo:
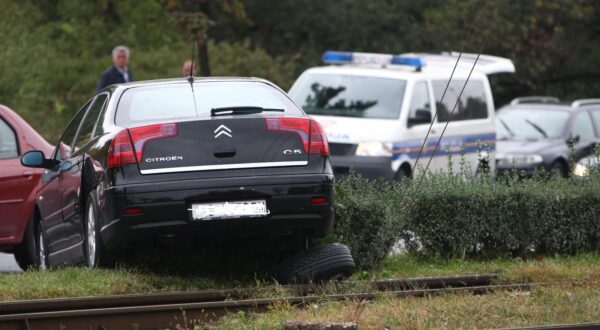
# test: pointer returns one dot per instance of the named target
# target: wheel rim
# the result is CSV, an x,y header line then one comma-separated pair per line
x,y
91,236
42,250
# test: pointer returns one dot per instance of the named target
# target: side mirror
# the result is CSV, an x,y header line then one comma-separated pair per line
x,y
422,116
35,158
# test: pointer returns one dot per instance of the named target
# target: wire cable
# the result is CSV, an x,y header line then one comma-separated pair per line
x,y
454,108
471,29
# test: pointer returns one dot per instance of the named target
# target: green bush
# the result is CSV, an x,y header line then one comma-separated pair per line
x,y
455,217
366,218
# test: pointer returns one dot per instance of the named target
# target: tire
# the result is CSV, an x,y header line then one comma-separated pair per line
x,y
402,175
558,170
33,252
322,263
483,169
95,252
26,252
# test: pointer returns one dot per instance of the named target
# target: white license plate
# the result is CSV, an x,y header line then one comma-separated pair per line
x,y
229,210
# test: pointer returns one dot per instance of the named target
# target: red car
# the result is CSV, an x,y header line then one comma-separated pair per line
x,y
19,185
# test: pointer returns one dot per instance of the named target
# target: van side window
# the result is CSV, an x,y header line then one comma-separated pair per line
x,y
472,104
420,99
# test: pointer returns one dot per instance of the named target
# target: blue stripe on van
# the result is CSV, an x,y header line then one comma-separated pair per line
x,y
456,144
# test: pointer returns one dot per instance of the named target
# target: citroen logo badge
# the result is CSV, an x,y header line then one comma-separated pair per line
x,y
222,130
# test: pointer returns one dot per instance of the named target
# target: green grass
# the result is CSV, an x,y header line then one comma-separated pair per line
x,y
79,281
548,305
580,268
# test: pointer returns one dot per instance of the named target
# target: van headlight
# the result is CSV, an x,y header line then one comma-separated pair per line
x,y
509,160
374,149
581,170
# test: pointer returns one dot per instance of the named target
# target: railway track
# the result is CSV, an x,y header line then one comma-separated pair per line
x,y
578,326
166,310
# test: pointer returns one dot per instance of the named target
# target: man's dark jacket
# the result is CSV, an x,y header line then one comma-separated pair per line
x,y
112,76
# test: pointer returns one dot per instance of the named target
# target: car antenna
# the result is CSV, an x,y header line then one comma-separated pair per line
x,y
190,77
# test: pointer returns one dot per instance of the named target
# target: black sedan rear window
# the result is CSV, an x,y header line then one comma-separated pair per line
x,y
175,102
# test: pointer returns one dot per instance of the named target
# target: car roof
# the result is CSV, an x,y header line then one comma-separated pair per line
x,y
180,80
545,106
395,72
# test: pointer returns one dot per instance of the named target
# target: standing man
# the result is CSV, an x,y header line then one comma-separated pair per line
x,y
118,73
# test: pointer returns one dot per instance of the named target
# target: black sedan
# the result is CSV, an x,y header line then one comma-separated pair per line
x,y
533,136
213,157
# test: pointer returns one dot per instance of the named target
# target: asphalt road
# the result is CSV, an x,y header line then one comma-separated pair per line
x,y
8,263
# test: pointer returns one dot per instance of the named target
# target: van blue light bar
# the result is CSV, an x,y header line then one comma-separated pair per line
x,y
334,57
408,60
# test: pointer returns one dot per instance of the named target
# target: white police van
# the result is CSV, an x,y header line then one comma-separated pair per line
x,y
377,109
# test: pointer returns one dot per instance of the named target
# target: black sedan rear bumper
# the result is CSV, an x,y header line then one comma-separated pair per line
x,y
165,208
369,167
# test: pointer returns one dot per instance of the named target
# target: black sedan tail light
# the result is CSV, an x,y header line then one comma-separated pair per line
x,y
128,146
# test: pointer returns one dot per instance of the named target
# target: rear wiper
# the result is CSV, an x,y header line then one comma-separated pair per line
x,y
241,110
537,128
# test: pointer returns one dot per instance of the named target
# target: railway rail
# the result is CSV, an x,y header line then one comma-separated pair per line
x,y
166,310
575,326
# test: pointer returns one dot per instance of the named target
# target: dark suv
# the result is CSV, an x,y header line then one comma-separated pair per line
x,y
539,133
214,157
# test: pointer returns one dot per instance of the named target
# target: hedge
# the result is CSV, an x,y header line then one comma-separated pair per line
x,y
454,216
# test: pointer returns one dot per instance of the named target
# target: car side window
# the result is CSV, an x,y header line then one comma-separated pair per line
x,y
420,99
8,141
66,141
582,126
596,118
89,122
472,103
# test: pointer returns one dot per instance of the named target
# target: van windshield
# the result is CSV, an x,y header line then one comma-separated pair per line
x,y
350,96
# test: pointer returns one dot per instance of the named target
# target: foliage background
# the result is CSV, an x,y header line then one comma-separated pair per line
x,y
52,52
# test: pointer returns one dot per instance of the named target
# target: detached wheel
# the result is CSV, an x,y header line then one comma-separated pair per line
x,y
323,263
94,249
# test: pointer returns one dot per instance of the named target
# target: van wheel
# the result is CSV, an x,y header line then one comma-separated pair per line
x,y
323,263
483,169
26,252
403,173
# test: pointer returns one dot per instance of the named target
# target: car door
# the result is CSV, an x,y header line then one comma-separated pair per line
x,y
582,132
16,181
62,241
71,175
421,100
